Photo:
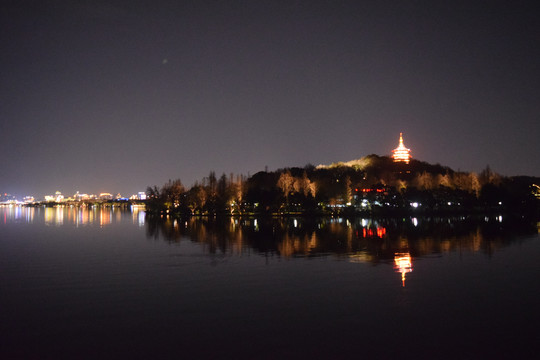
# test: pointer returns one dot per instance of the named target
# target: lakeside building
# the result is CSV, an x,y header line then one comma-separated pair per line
x,y
105,196
401,153
28,199
80,197
141,195
57,197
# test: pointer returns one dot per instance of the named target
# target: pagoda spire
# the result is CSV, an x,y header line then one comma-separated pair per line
x,y
401,153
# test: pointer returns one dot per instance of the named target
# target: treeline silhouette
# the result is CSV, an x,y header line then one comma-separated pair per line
x,y
373,184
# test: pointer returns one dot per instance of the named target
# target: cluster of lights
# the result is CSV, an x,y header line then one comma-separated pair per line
x,y
379,232
58,197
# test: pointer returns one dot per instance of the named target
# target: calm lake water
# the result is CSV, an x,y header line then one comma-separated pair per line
x,y
102,283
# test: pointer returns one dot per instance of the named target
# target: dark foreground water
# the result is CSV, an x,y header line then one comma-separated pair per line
x,y
102,283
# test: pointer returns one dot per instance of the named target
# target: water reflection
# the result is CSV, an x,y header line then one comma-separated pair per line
x,y
395,242
310,237
390,241
138,214
403,265
71,215
15,213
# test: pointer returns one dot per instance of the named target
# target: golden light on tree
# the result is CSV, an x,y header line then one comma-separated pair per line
x,y
401,153
286,183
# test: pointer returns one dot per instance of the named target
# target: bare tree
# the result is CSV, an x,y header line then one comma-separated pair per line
x,y
474,182
285,183
444,180
424,181
348,190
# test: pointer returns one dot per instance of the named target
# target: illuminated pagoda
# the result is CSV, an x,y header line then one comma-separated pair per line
x,y
401,153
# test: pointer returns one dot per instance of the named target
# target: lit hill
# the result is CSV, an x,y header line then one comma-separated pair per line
x,y
374,184
378,164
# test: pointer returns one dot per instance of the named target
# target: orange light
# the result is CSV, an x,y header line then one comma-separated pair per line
x,y
401,153
403,265
379,232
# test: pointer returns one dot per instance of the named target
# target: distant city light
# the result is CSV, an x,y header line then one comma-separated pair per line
x,y
106,196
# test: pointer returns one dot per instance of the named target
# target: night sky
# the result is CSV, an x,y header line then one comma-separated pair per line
x,y
117,95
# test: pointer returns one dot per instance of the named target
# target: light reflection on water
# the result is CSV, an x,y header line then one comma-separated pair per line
x,y
72,215
304,237
375,241
386,240
403,265
254,287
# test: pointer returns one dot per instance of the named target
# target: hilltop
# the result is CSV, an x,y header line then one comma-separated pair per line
x,y
372,184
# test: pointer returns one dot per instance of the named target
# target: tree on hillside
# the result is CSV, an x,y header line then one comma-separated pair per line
x,y
424,181
474,184
172,193
237,189
488,176
285,183
197,198
444,180
348,190
168,197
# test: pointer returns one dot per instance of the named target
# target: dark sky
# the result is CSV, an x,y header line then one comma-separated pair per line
x,y
117,95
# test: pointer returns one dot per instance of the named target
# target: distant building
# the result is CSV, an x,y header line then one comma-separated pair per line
x,y
105,196
5,197
141,195
28,199
80,197
57,197
401,153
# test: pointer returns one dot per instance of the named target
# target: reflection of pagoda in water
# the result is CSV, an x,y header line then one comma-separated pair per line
x,y
401,153
403,265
